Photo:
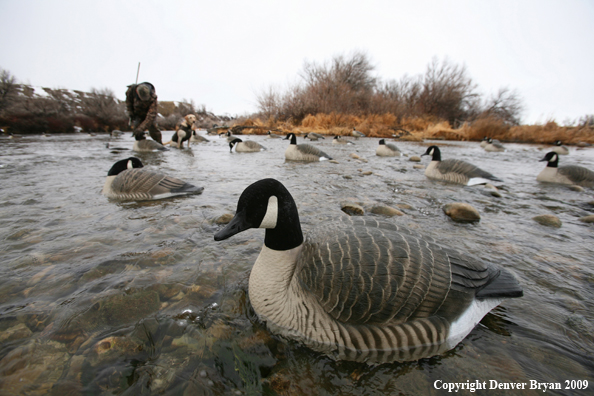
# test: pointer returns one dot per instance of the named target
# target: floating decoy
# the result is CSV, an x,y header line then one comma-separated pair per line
x,y
567,174
455,171
127,180
143,145
339,140
273,135
494,146
245,147
228,135
359,288
387,150
485,141
313,136
560,148
303,152
357,134
198,138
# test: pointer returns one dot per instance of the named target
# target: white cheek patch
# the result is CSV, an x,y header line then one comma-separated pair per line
x,y
269,220
129,165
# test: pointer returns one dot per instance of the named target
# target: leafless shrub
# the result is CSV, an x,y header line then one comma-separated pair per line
x,y
506,105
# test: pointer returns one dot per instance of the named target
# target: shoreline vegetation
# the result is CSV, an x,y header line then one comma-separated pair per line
x,y
330,98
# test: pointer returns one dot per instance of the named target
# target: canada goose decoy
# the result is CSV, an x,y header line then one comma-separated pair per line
x,y
228,135
339,140
128,181
357,134
567,174
494,146
560,148
484,142
387,150
455,171
198,138
116,133
313,136
303,152
245,147
359,288
143,145
273,135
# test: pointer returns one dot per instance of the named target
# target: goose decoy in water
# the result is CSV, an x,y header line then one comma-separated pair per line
x,y
339,140
484,142
273,135
387,150
143,145
357,134
198,138
494,146
228,135
567,174
303,152
455,171
560,148
127,180
245,147
360,288
313,136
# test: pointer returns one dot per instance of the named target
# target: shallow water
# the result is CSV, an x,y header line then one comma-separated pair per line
x,y
100,297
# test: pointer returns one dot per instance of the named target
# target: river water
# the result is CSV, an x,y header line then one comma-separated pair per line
x,y
101,298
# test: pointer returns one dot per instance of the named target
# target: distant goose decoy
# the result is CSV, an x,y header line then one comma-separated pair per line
x,y
484,142
567,174
357,134
198,138
339,140
273,135
313,136
494,146
455,171
303,152
359,288
228,135
387,150
127,180
143,145
245,147
560,148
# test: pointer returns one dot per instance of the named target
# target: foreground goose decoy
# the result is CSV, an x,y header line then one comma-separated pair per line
x,y
387,150
127,180
494,146
567,174
455,171
359,288
143,145
303,152
245,147
313,136
357,134
560,148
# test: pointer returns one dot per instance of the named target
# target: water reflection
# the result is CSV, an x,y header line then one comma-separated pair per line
x,y
98,296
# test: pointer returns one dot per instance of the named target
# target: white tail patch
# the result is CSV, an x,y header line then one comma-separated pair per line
x,y
271,216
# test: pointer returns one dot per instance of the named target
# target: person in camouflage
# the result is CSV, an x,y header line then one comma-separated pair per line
x,y
141,103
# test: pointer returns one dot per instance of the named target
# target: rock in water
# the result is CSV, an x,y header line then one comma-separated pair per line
x,y
462,212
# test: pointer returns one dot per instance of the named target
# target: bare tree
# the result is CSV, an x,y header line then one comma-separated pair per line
x,y
505,105
8,90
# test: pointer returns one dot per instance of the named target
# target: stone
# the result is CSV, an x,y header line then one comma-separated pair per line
x,y
418,166
224,219
386,211
17,332
352,209
462,212
548,220
587,219
576,188
415,158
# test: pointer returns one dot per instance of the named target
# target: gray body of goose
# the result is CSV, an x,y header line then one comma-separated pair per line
x,y
143,145
560,148
339,140
455,171
313,136
567,174
494,146
273,135
387,150
359,288
127,180
357,134
245,147
198,138
303,152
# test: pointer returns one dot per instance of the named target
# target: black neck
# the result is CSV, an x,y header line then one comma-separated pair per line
x,y
287,234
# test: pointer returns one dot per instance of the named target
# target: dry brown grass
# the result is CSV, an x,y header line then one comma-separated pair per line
x,y
419,128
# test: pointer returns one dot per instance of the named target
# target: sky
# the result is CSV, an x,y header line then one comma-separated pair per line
x,y
223,53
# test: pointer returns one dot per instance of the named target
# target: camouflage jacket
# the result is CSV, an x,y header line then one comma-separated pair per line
x,y
142,113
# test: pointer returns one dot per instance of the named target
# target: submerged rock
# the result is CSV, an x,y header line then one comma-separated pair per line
x,y
352,209
462,212
587,219
224,219
415,158
548,220
386,211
